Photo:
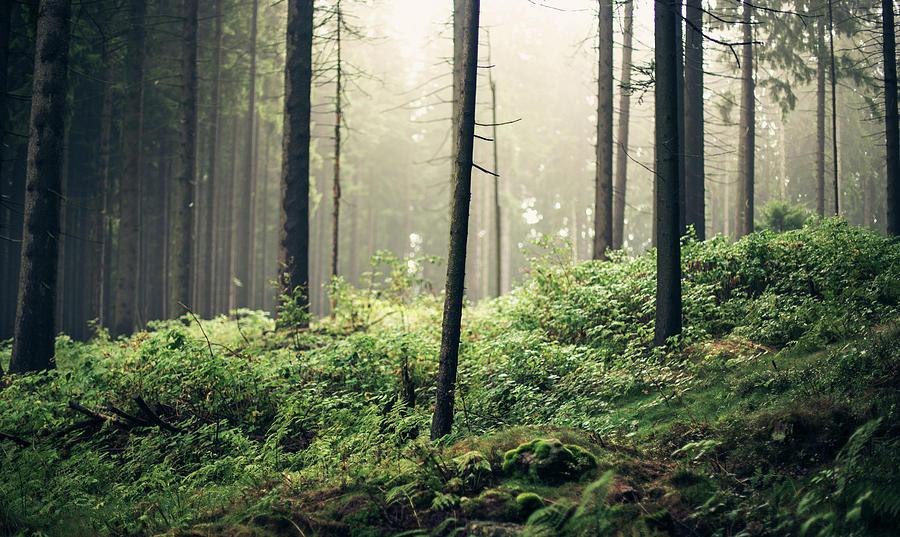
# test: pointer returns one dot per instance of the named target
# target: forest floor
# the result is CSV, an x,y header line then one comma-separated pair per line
x,y
776,412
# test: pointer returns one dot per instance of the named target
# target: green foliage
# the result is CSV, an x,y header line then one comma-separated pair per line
x,y
779,216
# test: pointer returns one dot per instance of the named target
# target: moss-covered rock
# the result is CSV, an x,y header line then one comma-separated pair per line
x,y
528,502
492,504
547,460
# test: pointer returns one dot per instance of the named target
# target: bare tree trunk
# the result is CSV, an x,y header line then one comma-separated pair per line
x,y
892,131
837,207
181,284
668,171
336,192
208,273
242,211
102,211
230,228
498,235
35,330
603,189
465,66
621,180
294,244
820,118
130,182
694,178
747,138
7,288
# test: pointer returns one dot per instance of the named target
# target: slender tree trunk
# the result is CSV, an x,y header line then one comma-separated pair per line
x,y
230,227
102,211
264,224
694,179
668,170
242,212
7,288
254,217
679,119
294,242
35,330
129,185
181,284
820,118
892,131
604,188
747,138
837,207
498,222
463,144
336,193
621,180
208,273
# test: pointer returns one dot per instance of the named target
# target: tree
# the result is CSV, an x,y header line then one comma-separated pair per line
x,y
336,191
834,167
695,191
294,242
243,229
621,178
130,184
747,136
603,201
465,67
208,276
668,172
892,131
820,117
7,288
183,216
35,335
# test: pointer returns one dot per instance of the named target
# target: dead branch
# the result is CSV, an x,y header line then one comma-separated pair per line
x,y
145,408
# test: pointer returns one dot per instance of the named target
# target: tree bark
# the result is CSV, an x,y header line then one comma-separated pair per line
x,y
465,66
102,212
820,118
694,179
604,187
834,138
747,138
668,171
336,192
130,183
621,179
242,212
183,217
294,241
7,288
35,334
892,131
208,274
498,235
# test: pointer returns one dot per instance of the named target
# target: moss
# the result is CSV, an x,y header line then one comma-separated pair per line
x,y
548,461
528,503
492,504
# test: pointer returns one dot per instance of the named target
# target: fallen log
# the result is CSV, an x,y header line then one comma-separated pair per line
x,y
139,422
99,416
145,408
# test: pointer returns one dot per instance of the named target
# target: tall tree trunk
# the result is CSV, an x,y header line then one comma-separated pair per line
x,y
264,265
130,182
604,188
230,226
892,131
621,179
463,145
668,171
834,138
747,138
181,284
7,288
242,212
336,192
102,211
208,274
498,223
35,330
820,117
694,178
294,240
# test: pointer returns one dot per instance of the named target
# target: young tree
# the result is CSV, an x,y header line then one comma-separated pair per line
x,y
183,215
820,117
35,335
603,201
668,172
694,179
465,67
336,192
892,131
747,137
621,178
294,242
126,292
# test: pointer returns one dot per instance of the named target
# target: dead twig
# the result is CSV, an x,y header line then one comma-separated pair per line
x,y
145,408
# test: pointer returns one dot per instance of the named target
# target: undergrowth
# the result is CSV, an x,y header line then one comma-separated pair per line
x,y
775,413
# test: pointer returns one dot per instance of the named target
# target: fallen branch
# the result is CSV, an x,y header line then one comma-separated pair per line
x,y
21,441
99,416
140,422
145,408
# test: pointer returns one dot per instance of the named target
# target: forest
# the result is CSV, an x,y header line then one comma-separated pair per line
x,y
406,268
